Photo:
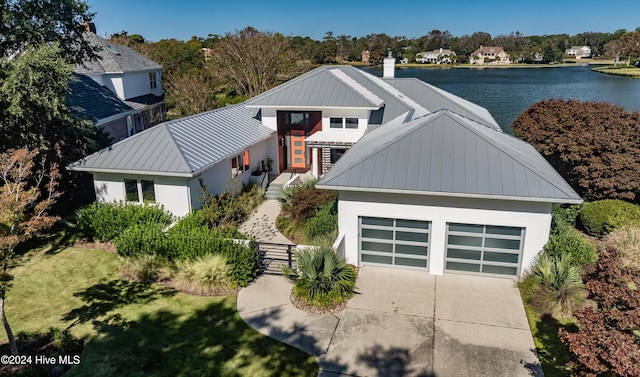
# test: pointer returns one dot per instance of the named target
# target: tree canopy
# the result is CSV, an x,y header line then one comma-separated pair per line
x,y
26,23
593,145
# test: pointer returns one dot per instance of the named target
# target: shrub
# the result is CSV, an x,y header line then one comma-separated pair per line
x,y
322,278
561,287
289,191
243,262
565,215
325,221
606,342
565,240
603,216
105,221
142,268
230,209
203,276
627,242
142,239
305,203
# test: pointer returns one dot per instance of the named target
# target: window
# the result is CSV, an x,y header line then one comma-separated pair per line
x,y
131,129
240,164
140,191
350,123
153,80
131,190
336,154
298,118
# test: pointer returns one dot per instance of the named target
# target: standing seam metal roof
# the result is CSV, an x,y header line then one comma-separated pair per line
x,y
181,147
449,154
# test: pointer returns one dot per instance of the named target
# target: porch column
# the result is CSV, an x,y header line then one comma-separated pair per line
x,y
315,162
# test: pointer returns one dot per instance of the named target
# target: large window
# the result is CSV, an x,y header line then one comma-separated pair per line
x,y
141,191
298,118
349,123
336,153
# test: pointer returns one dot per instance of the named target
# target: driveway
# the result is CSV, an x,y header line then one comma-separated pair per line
x,y
404,322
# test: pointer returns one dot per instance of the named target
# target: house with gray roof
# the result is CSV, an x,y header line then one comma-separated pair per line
x,y
426,180
136,100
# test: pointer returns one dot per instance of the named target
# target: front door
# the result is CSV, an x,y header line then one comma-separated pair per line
x,y
298,149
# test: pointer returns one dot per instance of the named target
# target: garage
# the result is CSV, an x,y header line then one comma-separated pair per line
x,y
394,242
484,249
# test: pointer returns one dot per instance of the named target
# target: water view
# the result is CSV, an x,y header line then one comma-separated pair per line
x,y
506,93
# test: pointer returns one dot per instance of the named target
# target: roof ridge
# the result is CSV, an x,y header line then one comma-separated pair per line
x,y
379,101
287,84
400,95
174,145
529,165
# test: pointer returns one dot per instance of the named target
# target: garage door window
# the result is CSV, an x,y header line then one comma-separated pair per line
x,y
397,242
484,249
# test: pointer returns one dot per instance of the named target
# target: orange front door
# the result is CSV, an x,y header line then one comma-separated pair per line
x,y
298,149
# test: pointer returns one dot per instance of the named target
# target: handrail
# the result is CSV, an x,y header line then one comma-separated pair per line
x,y
263,178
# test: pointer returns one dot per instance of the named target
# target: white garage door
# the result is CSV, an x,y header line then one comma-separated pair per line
x,y
394,242
484,249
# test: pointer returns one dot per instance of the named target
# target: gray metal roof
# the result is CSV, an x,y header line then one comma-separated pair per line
x,y
182,147
114,59
434,99
90,100
444,153
317,88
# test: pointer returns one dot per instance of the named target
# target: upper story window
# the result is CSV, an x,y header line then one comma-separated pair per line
x,y
350,123
153,80
298,118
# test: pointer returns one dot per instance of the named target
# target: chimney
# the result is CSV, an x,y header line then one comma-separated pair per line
x,y
389,67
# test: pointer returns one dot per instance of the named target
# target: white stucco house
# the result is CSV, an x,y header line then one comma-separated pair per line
x,y
426,180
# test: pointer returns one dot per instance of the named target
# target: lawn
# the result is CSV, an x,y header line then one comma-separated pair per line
x,y
132,329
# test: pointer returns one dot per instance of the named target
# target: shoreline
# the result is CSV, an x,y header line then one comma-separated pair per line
x,y
575,63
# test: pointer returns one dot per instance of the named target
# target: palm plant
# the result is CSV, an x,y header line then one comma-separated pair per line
x,y
561,287
322,278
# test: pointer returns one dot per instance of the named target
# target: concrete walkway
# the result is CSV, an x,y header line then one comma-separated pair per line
x,y
404,322
262,224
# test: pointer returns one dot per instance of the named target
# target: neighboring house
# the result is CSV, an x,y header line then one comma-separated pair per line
x,y
426,179
132,79
490,55
441,56
365,56
578,52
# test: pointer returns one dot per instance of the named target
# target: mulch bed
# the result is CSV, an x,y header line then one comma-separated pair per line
x,y
41,345
302,305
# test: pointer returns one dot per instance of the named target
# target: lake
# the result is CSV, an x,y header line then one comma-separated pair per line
x,y
507,92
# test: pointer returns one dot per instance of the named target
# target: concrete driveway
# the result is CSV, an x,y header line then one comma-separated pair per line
x,y
404,323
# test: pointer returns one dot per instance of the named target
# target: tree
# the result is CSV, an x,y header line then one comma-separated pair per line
x,y
26,23
26,192
593,145
252,61
33,108
330,47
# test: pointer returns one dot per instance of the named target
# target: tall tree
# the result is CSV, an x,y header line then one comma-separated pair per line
x,y
330,47
252,61
28,23
27,190
593,145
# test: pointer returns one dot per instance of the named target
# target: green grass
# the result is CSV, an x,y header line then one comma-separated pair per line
x,y
629,72
553,354
132,329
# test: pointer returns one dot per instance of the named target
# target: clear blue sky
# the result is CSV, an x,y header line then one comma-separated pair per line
x,y
162,19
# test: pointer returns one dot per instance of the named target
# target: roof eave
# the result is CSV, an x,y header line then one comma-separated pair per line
x,y
450,194
298,107
136,172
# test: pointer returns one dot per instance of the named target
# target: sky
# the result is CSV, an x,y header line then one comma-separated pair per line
x,y
165,19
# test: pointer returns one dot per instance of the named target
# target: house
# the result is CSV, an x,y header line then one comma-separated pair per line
x,y
365,54
440,56
578,52
426,179
174,162
134,81
490,55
